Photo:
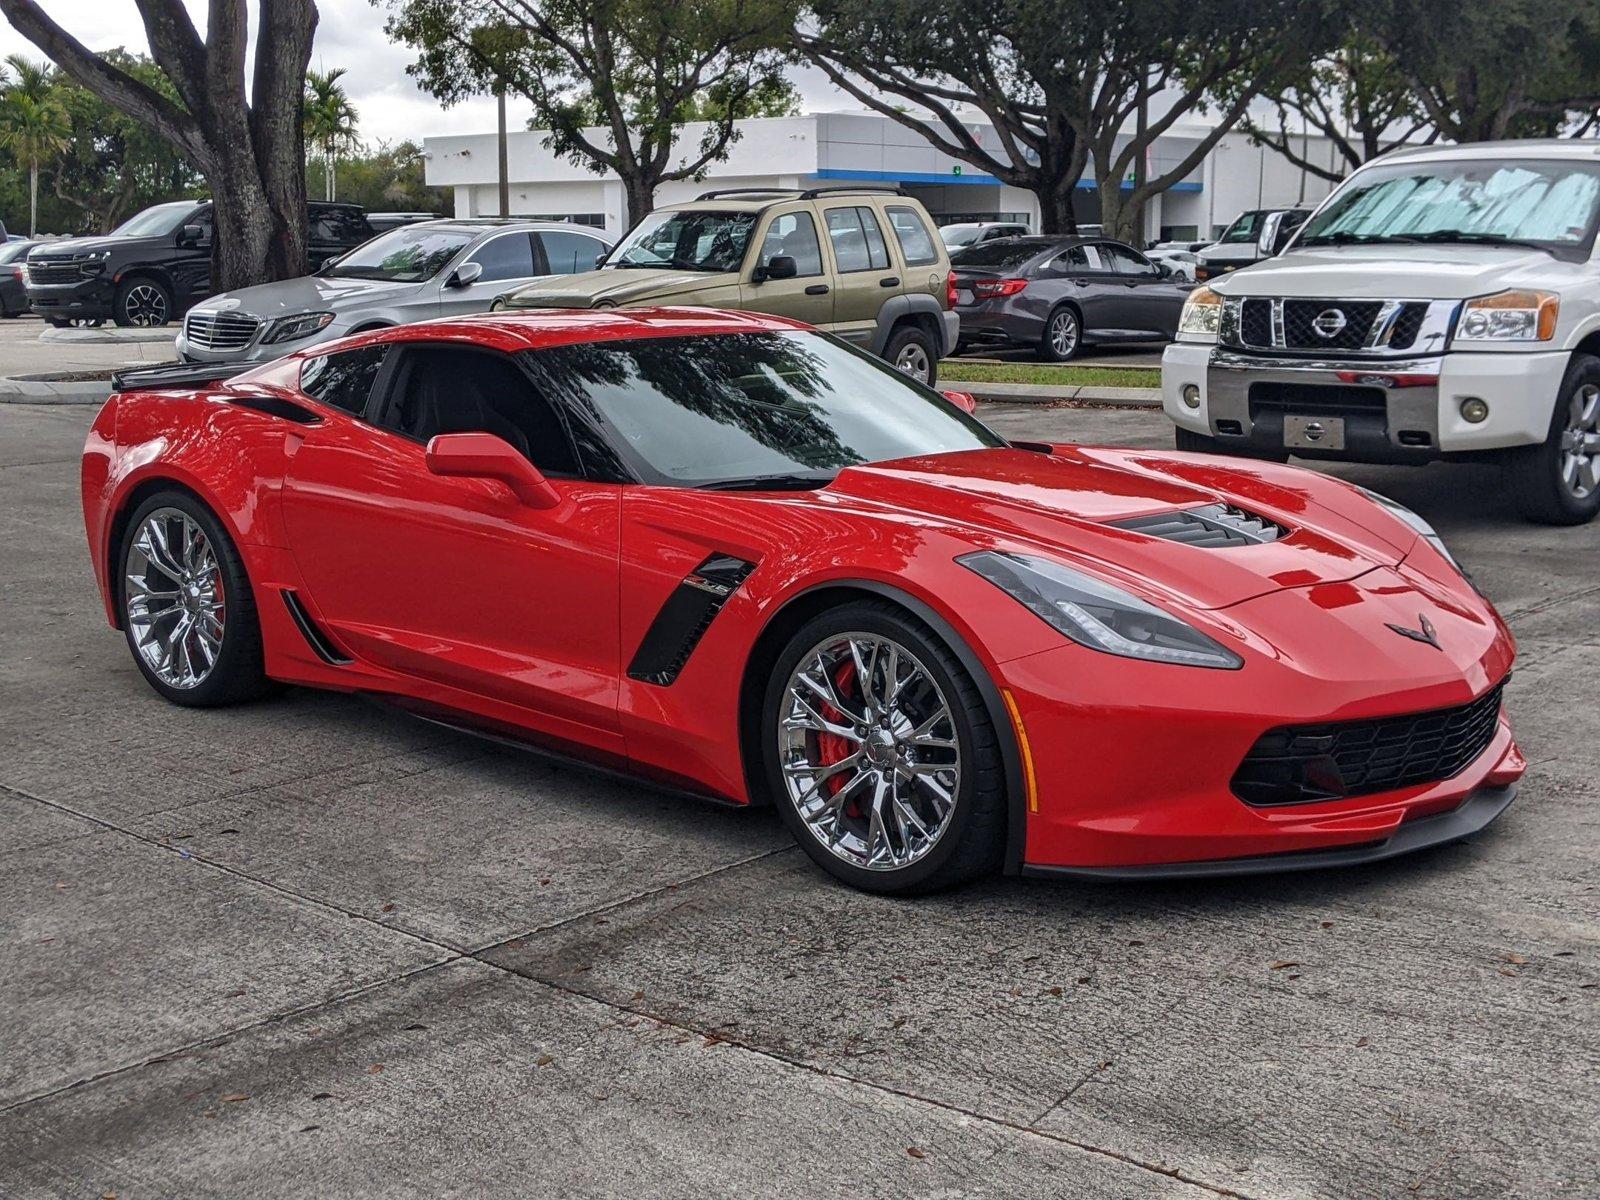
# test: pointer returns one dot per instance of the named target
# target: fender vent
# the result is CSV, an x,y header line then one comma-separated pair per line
x,y
1214,527
685,617
273,406
321,644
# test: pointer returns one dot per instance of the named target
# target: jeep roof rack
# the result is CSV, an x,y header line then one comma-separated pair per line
x,y
835,188
803,193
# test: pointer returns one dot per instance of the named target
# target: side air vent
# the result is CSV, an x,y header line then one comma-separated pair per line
x,y
274,406
1214,527
321,644
685,617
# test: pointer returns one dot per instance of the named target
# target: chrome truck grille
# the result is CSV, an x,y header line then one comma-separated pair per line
x,y
220,330
1338,327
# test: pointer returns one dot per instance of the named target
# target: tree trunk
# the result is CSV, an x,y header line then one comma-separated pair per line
x,y
1118,218
33,197
639,194
1057,208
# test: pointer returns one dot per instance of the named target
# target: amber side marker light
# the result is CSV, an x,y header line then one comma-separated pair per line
x,y
1028,779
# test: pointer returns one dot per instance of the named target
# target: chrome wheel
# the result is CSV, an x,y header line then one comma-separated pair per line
x,y
1063,334
145,305
1580,443
174,601
868,750
913,360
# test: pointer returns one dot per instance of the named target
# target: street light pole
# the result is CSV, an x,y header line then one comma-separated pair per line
x,y
505,170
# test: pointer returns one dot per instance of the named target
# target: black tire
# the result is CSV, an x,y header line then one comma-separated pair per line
x,y
1069,344
59,322
972,844
238,673
912,343
142,303
1191,442
1534,473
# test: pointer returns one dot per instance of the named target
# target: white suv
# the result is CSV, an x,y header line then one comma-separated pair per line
x,y
1442,303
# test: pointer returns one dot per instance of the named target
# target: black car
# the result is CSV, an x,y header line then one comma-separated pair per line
x,y
13,293
153,267
1059,293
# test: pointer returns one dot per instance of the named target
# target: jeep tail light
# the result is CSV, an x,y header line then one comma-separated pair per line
x,y
993,289
950,291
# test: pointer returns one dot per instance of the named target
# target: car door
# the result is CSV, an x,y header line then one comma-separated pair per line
x,y
1151,301
190,267
1081,277
807,295
454,581
864,274
919,253
509,260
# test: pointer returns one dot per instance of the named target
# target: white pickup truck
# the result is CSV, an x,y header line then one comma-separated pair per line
x,y
1441,303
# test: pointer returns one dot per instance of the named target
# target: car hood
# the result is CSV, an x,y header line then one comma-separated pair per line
x,y
1067,503
1433,272
309,293
616,286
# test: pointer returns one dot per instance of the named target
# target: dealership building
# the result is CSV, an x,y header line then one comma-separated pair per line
x,y
862,147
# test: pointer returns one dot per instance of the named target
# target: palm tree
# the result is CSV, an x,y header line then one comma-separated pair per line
x,y
330,119
33,124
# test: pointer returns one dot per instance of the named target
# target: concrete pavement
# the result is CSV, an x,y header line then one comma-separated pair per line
x,y
307,947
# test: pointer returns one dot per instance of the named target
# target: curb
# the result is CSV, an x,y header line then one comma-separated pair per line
x,y
108,333
1044,393
38,391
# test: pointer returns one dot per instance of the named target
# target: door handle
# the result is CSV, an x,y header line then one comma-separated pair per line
x,y
889,281
1081,282
817,289
1129,283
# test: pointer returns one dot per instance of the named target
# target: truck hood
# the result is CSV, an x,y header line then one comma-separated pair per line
x,y
310,293
1434,272
1068,503
616,286
73,247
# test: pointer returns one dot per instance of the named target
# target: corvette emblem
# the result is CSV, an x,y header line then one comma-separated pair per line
x,y
1426,634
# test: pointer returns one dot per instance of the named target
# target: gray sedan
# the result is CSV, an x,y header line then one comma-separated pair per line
x,y
418,272
1058,294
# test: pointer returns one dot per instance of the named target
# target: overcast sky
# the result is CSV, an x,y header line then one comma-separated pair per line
x,y
350,35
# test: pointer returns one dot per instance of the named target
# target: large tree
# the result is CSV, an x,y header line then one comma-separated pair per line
x,y
242,128
331,122
1061,82
612,82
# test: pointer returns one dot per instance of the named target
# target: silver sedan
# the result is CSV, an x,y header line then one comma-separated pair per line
x,y
418,272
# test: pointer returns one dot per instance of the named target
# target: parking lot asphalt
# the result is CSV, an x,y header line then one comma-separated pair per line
x,y
309,948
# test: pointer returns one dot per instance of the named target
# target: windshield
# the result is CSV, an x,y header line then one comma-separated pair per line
x,y
1005,254
1246,229
959,235
747,409
686,241
1550,204
409,254
155,222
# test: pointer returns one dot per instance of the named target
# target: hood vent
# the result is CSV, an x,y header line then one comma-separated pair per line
x,y
1213,527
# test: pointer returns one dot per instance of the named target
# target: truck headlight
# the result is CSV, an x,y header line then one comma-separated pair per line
x,y
1518,315
301,325
1097,615
1201,316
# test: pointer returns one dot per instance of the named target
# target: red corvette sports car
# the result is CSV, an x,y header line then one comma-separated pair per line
x,y
740,558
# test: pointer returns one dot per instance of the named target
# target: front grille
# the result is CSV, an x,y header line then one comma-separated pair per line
x,y
54,271
1403,333
1255,322
1212,527
1361,327
1304,764
220,330
1302,328
1316,399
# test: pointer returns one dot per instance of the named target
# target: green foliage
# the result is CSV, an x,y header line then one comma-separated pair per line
x,y
383,178
330,122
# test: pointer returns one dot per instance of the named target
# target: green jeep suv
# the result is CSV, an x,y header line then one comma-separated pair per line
x,y
862,263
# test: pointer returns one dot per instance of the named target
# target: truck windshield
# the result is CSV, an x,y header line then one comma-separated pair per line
x,y
694,240
155,222
1246,229
1552,204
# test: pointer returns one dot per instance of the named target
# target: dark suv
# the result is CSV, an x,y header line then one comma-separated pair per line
x,y
154,266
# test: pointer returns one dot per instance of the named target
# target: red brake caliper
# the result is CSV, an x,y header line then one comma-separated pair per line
x,y
831,748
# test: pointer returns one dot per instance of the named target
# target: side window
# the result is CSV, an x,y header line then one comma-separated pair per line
x,y
343,380
1099,264
916,243
448,390
509,256
1071,261
569,253
857,240
1126,261
794,234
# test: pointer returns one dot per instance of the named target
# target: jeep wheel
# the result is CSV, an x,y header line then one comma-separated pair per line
x,y
143,304
911,351
1558,481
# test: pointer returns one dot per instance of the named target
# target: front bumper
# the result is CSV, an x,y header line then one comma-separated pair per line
x,y
90,299
1395,410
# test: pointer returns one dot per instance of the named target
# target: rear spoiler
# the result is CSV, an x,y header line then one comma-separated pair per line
x,y
177,376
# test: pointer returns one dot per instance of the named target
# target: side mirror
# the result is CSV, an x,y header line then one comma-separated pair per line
x,y
779,266
484,456
1163,268
965,401
328,262
600,259
465,275
1274,236
191,235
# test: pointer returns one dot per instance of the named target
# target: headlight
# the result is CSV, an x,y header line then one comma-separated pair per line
x,y
1429,533
1514,316
1097,615
1201,316
289,329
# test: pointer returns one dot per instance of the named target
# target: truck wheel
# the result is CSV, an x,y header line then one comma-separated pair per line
x,y
911,350
142,303
1558,481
